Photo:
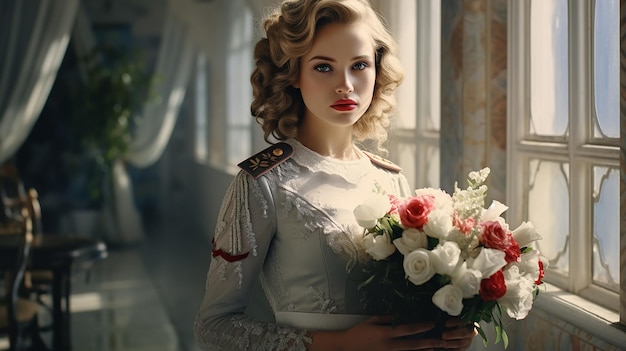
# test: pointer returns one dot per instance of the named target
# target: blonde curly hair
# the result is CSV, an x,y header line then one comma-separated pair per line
x,y
290,31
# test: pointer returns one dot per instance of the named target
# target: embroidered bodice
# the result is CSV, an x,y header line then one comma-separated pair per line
x,y
294,229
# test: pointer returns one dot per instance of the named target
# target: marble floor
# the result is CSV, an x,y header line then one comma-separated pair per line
x,y
140,298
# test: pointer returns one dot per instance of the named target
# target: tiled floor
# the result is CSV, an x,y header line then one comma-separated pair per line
x,y
120,308
140,298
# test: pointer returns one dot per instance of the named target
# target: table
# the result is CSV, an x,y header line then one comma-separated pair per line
x,y
59,254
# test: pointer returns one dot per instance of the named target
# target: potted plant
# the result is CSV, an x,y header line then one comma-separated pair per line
x,y
116,85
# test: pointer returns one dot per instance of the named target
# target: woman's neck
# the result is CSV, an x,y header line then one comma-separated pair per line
x,y
338,145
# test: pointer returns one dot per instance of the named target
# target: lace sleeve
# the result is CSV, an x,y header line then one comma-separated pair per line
x,y
245,227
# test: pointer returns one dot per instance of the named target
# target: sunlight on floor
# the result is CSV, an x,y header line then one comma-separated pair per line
x,y
117,309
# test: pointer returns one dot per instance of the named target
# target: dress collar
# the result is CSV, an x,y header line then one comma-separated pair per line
x,y
351,170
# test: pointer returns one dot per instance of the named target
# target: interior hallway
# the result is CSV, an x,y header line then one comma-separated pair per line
x,y
143,297
140,298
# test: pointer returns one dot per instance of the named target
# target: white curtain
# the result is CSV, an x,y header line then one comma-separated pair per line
x,y
33,40
174,63
173,67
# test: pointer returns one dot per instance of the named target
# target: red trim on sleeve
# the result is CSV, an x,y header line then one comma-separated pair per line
x,y
226,256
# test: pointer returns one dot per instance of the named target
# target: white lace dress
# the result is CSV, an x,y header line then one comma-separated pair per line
x,y
292,228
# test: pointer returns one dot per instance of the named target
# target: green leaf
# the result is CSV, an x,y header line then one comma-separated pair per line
x,y
369,280
499,332
482,334
505,338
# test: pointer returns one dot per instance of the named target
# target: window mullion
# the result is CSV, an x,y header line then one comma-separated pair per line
x,y
518,103
581,226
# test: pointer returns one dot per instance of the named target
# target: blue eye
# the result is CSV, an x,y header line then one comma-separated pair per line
x,y
323,68
359,66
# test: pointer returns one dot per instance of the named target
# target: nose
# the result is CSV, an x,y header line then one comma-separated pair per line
x,y
345,84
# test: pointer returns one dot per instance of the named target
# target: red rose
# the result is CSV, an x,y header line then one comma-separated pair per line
x,y
541,274
512,252
414,211
494,236
493,287
464,225
395,203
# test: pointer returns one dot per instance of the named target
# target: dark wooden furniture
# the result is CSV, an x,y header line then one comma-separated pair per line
x,y
18,315
60,254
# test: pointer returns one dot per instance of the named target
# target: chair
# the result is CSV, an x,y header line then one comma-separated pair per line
x,y
14,197
18,315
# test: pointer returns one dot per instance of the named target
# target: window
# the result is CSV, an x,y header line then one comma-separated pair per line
x,y
201,115
563,142
414,138
238,89
231,129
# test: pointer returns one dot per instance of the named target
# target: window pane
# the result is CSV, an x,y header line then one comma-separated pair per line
x,y
404,27
548,210
201,112
431,171
549,68
239,92
239,143
606,227
606,68
405,156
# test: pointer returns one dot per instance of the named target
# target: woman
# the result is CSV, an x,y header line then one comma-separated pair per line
x,y
324,80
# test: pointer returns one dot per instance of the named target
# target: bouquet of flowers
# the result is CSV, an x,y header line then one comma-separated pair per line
x,y
436,256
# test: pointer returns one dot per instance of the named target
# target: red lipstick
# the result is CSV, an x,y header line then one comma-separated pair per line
x,y
344,105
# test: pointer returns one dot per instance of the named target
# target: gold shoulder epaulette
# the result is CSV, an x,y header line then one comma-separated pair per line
x,y
267,159
383,162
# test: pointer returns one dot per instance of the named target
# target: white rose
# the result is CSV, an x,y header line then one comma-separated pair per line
x,y
493,212
379,247
525,234
449,299
368,213
519,296
466,279
411,239
529,264
487,262
445,257
417,267
439,224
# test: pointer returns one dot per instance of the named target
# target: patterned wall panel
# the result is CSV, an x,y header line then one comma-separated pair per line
x,y
497,68
473,109
623,160
451,93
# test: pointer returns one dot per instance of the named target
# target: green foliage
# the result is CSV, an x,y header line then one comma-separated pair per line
x,y
116,86
106,108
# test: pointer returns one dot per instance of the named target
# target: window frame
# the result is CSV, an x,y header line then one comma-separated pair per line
x,y
415,98
579,301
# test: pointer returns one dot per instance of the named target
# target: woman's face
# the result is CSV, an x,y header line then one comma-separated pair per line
x,y
337,75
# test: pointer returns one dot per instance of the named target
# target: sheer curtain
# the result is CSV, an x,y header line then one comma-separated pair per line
x,y
33,39
158,117
173,68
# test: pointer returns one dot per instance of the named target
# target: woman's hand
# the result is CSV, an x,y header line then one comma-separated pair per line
x,y
458,334
378,334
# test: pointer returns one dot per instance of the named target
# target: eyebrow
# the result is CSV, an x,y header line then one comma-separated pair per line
x,y
324,58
